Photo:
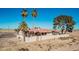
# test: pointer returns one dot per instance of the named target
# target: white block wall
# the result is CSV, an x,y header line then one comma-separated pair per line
x,y
43,37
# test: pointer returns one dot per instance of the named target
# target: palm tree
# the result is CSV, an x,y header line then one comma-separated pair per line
x,y
24,13
34,15
23,26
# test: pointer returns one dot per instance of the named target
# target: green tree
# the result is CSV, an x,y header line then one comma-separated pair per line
x,y
64,22
23,26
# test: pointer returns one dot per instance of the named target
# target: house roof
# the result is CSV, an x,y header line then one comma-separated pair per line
x,y
41,30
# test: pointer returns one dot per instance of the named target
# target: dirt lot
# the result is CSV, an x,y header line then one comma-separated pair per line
x,y
8,42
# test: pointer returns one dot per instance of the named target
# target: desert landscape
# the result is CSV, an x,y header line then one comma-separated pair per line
x,y
9,42
44,31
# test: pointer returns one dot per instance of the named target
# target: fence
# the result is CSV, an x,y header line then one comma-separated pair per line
x,y
39,38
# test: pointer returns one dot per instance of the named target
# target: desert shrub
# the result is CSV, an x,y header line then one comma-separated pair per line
x,y
64,38
24,49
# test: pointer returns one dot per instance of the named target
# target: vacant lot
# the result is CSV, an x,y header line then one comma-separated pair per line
x,y
8,42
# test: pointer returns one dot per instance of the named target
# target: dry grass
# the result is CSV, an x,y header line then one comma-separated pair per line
x,y
7,30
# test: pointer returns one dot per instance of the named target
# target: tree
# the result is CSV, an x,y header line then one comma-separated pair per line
x,y
34,13
64,22
23,26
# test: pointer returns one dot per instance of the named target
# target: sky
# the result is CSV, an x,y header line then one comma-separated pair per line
x,y
10,18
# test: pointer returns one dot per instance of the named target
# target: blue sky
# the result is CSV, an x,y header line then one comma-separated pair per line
x,y
11,17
